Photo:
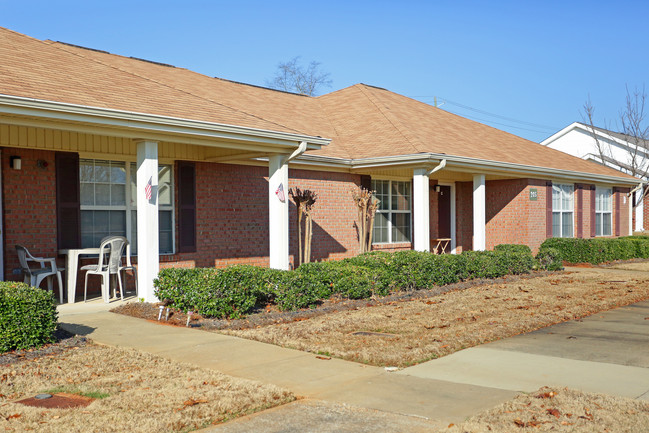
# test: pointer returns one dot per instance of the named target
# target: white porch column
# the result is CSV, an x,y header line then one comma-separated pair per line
x,y
148,260
639,214
278,211
479,213
421,209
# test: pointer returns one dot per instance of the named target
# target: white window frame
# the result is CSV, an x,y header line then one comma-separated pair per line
x,y
602,210
567,193
389,211
131,204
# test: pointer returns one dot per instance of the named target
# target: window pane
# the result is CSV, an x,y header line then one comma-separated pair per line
x,y
102,171
117,195
380,233
102,194
117,223
166,234
382,193
87,193
165,189
556,224
400,195
606,229
566,201
401,227
133,185
567,225
133,239
118,173
556,197
598,224
86,171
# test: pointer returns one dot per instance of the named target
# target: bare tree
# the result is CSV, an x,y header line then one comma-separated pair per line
x,y
304,201
632,129
367,204
292,76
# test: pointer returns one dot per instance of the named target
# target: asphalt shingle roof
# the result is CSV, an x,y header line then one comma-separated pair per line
x,y
362,121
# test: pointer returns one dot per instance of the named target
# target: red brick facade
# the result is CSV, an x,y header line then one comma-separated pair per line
x,y
232,213
29,207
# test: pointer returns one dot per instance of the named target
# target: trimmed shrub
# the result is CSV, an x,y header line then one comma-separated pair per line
x,y
549,259
28,316
598,250
233,292
222,293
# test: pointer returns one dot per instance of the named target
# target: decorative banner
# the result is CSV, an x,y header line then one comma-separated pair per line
x,y
148,188
280,193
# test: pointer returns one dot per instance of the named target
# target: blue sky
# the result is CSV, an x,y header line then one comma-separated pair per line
x,y
533,63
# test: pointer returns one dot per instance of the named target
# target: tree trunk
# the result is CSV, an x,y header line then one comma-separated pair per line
x,y
299,232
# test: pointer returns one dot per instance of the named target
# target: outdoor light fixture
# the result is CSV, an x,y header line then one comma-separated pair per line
x,y
438,188
15,162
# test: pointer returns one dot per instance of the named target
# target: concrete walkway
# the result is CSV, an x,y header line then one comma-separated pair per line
x,y
607,352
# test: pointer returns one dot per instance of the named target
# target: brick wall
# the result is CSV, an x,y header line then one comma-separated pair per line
x,y
625,203
29,205
512,217
232,216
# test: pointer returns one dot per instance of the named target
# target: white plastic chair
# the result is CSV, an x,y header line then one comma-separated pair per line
x,y
110,255
34,277
128,267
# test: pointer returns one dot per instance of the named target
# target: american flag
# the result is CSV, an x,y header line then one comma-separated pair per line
x,y
148,188
280,193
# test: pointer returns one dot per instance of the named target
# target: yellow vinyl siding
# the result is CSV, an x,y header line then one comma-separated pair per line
x,y
83,143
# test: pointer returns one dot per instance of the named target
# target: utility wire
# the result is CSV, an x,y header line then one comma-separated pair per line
x,y
496,123
510,119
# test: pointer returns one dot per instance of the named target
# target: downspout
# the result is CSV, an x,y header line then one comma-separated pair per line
x,y
297,152
441,165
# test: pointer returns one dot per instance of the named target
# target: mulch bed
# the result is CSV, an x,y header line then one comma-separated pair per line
x,y
64,342
271,315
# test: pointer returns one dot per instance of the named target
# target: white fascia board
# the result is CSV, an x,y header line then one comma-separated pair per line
x,y
602,134
58,111
561,133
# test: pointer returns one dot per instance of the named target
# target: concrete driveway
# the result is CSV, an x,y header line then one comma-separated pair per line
x,y
607,352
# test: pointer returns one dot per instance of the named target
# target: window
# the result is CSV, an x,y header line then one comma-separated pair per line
x,y
108,207
393,217
603,211
562,211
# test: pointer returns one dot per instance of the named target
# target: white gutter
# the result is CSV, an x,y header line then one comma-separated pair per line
x,y
486,166
58,111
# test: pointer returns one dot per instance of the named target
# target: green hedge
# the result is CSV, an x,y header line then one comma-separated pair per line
x,y
235,291
28,316
598,250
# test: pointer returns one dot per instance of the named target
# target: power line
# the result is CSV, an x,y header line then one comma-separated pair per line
x,y
487,113
496,123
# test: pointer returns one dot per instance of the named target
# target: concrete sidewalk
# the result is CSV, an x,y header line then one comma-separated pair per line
x,y
607,352
435,402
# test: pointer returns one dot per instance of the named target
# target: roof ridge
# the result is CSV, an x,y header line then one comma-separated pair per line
x,y
170,86
389,117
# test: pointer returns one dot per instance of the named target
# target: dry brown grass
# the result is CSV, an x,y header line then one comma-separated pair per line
x,y
561,410
429,328
145,393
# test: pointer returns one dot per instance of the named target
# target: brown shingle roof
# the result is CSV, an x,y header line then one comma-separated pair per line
x,y
362,121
